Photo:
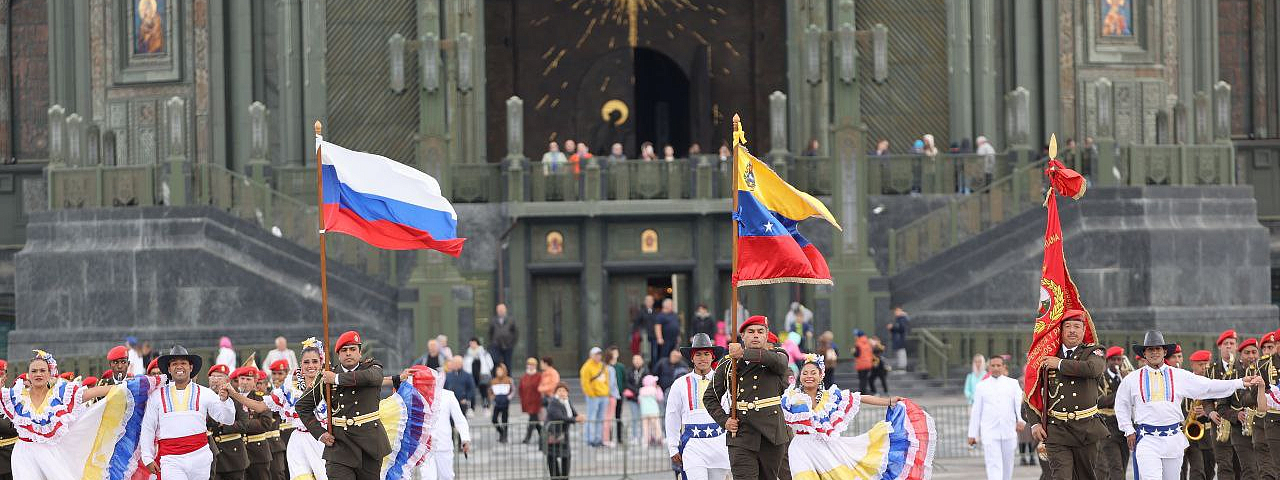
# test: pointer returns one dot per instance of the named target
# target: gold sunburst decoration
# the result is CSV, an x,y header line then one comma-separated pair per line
x,y
615,105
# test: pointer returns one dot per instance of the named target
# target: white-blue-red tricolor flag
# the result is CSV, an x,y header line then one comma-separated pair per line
x,y
385,203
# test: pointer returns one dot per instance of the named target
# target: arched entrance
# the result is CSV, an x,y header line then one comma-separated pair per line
x,y
661,101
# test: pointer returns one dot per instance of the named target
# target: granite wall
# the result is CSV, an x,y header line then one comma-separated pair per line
x,y
187,275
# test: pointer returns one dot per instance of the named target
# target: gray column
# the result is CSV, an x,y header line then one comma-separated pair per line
x,y
515,129
1051,89
314,86
1026,69
960,66
69,56
593,281
293,140
984,68
1188,62
778,131
239,62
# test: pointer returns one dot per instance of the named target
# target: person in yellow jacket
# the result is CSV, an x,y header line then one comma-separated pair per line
x,y
594,376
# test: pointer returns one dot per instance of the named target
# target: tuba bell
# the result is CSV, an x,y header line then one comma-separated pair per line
x,y
1192,428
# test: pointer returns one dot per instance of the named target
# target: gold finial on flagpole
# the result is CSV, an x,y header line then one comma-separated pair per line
x,y
1053,145
317,127
739,136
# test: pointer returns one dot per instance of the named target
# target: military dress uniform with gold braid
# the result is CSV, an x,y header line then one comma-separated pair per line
x,y
1113,451
1261,449
758,449
8,438
1271,374
1193,460
1072,411
1229,409
232,458
359,440
1223,453
257,441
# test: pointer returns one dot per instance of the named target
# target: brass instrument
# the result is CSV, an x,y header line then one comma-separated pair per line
x,y
1246,426
1224,431
1192,428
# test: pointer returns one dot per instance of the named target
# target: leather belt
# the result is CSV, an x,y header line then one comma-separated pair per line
x,y
345,422
1110,412
227,438
1076,415
8,441
257,438
760,404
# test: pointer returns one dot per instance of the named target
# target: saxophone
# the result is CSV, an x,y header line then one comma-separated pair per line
x,y
1246,425
1192,428
1224,428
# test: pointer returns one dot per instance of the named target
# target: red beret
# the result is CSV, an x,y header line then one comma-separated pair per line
x,y
772,338
245,372
1225,335
155,363
1073,313
261,375
1248,342
219,368
117,352
1270,337
67,375
4,365
280,365
1201,356
90,381
1115,352
754,320
1176,349
22,376
350,337
106,373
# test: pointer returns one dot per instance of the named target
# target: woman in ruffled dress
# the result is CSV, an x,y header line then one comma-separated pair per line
x,y
303,454
900,447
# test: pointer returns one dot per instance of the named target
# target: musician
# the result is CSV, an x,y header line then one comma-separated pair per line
x,y
1148,408
1267,464
1220,369
1198,459
1113,454
1235,408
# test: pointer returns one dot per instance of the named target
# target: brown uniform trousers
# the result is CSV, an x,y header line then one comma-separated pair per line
x,y
258,442
1113,451
1224,456
1194,464
1267,428
359,446
279,465
1072,442
232,458
1229,410
760,446
8,437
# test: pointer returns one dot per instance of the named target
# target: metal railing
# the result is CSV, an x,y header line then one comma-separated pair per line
x,y
933,354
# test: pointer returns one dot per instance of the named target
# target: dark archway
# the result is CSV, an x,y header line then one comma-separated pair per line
x,y
661,101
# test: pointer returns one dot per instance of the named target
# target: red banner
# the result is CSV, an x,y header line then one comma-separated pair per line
x,y
1058,295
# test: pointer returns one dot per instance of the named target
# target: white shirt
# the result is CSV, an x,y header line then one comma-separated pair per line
x,y
1273,398
1134,404
684,407
226,356
173,413
997,403
274,355
441,431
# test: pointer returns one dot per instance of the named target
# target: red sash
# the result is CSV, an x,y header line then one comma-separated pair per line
x,y
183,445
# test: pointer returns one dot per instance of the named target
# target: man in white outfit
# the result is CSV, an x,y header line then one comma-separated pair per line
x,y
175,421
699,448
1149,408
439,462
995,419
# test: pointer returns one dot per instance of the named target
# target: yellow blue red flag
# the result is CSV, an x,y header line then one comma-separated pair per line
x,y
770,248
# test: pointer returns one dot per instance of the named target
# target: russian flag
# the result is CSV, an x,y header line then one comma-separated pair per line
x,y
770,249
384,202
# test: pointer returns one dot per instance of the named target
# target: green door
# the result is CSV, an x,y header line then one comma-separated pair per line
x,y
558,320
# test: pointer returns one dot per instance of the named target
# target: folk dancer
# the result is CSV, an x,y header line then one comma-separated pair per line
x,y
8,434
232,455
445,411
699,450
1197,461
175,420
994,418
1113,453
1268,467
758,434
355,448
1269,398
258,426
1071,404
304,454
901,446
1224,456
1148,408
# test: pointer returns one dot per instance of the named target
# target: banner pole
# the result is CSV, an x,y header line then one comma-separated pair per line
x,y
324,271
738,139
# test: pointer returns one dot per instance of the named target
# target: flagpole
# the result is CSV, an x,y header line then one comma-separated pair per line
x,y
324,271
738,139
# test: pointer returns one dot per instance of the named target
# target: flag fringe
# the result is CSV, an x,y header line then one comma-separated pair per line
x,y
773,281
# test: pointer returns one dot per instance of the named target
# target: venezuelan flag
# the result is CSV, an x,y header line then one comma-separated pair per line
x,y
770,249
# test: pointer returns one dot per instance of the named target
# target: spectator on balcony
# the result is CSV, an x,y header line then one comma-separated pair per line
x,y
724,157
930,148
669,153
615,155
579,159
570,146
812,149
988,154
553,161
882,148
917,147
695,150
646,152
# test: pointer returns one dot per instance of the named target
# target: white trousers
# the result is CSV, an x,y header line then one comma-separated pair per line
x,y
39,461
438,466
999,457
1150,465
304,456
703,473
188,466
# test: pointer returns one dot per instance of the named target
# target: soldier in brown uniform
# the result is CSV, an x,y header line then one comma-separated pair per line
x,y
355,448
1224,457
280,438
1113,451
257,427
232,458
1268,465
758,435
118,358
1070,381
8,434
1232,410
1198,458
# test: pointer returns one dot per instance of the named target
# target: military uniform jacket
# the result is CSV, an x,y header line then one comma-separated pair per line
x,y
256,435
1072,390
355,396
232,455
112,380
1270,367
762,377
1107,402
1229,408
8,437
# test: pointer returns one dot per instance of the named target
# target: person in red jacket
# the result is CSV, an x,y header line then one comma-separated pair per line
x,y
531,399
862,359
